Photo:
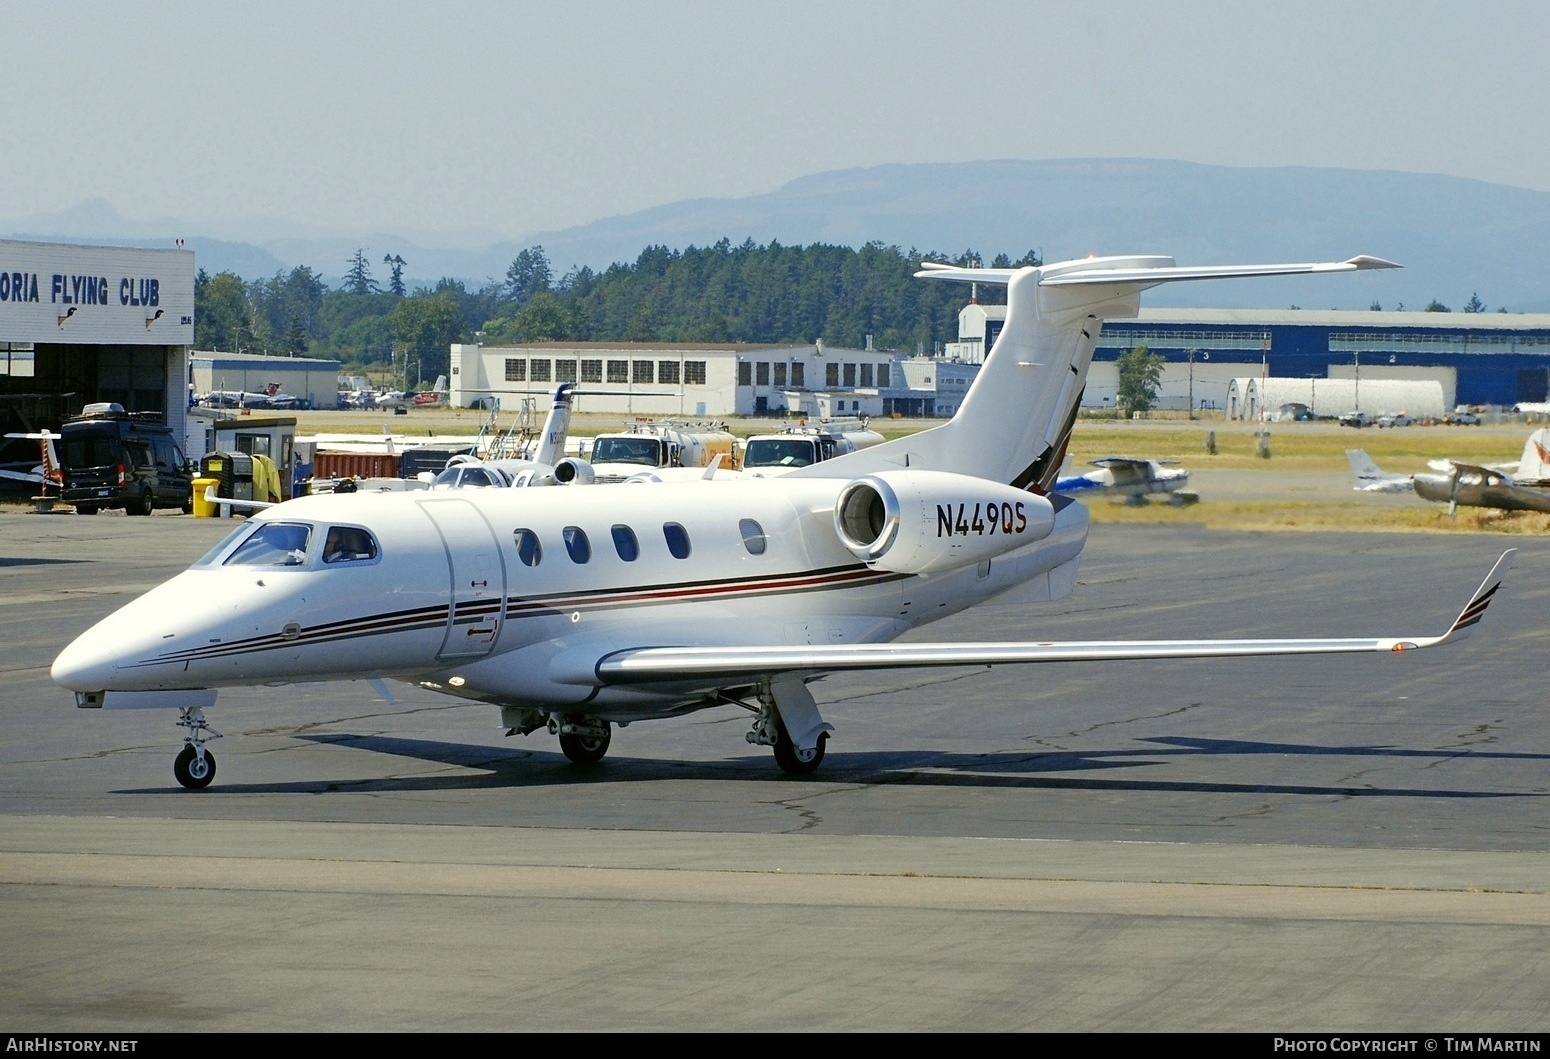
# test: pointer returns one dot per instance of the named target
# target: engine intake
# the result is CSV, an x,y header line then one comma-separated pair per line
x,y
916,522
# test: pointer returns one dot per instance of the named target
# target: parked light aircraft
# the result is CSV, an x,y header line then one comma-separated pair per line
x,y
576,609
436,395
1133,480
1520,486
48,472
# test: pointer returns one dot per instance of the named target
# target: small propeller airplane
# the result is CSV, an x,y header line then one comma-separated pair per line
x,y
1130,479
1520,486
578,609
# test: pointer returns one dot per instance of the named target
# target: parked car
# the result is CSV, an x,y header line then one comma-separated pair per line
x,y
1394,419
1356,419
1463,418
114,458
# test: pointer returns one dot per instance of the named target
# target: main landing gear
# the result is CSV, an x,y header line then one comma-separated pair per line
x,y
194,766
583,739
788,720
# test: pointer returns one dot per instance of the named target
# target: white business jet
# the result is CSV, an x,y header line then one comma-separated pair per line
x,y
576,609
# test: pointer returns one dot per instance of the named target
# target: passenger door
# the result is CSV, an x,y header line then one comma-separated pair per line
x,y
476,573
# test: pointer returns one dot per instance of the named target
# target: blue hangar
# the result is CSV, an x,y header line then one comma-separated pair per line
x,y
1489,359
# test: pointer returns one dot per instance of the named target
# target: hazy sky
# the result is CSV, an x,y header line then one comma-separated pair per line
x,y
517,117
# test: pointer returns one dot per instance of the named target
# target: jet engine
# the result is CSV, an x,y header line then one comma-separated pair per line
x,y
916,522
571,471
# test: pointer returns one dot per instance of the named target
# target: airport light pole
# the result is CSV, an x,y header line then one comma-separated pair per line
x,y
1192,383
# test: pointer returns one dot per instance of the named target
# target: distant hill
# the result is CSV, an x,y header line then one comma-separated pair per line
x,y
1454,236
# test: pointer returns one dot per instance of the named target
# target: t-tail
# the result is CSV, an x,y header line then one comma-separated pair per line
x,y
1015,421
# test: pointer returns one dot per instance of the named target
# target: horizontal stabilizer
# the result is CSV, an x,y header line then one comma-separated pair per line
x,y
679,663
1101,271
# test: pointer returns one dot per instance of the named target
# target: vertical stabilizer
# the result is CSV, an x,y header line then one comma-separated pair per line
x,y
1535,464
551,445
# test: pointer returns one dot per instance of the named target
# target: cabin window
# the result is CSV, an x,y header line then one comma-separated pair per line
x,y
626,544
677,540
274,544
753,536
348,544
528,548
577,544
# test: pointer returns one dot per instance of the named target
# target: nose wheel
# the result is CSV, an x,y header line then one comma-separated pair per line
x,y
194,766
584,739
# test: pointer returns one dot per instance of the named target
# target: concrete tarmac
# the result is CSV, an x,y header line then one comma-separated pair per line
x,y
1347,844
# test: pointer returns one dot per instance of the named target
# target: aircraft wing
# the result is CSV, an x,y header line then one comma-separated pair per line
x,y
649,664
1149,277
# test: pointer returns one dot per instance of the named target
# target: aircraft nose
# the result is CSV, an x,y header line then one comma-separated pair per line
x,y
88,664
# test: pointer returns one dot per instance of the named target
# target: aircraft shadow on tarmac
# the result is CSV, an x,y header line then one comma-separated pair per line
x,y
1050,770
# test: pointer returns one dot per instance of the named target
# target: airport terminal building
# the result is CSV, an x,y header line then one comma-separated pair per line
x,y
80,324
1489,359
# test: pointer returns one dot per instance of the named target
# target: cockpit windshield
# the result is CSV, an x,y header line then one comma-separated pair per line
x,y
645,451
779,452
273,544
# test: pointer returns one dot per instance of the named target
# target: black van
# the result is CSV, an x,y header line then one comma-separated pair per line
x,y
113,458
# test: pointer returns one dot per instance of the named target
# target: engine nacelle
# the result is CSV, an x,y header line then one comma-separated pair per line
x,y
916,522
571,471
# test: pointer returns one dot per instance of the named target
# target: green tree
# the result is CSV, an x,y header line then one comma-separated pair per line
x,y
1474,305
529,273
425,324
222,318
1435,306
358,279
396,281
543,319
1140,376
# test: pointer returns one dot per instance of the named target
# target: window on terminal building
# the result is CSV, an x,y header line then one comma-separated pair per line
x,y
540,369
850,375
516,369
667,372
780,374
564,370
882,375
866,375
618,371
761,373
798,375
591,371
831,374
744,373
642,371
694,373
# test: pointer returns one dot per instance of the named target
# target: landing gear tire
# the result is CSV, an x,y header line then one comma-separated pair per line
x,y
191,771
586,749
793,761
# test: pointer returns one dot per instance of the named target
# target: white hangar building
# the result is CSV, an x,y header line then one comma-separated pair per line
x,y
80,324
686,379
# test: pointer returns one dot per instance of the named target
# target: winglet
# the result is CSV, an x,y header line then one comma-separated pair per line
x,y
1362,261
1474,610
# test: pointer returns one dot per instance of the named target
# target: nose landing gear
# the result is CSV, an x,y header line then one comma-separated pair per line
x,y
194,766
